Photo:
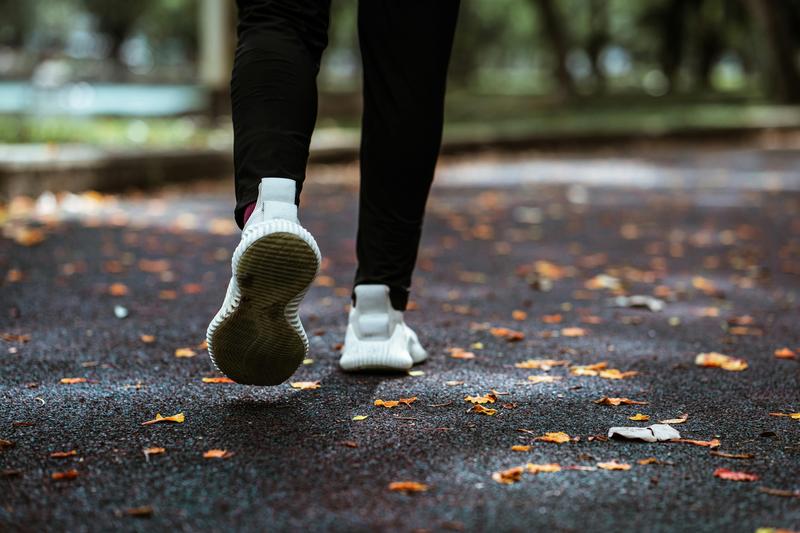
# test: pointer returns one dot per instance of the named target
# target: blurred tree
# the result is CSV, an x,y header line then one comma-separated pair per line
x,y
778,21
116,20
558,38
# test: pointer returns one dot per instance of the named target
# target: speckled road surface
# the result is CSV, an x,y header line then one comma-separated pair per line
x,y
720,249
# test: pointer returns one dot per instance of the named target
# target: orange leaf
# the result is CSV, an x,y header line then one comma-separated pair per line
x,y
520,448
154,451
718,360
185,352
552,319
541,364
732,475
613,373
61,455
177,419
408,401
217,454
558,437
147,339
713,443
732,455
639,417
544,379
508,334
488,398
118,289
67,475
785,353
142,511
532,468
587,370
573,332
614,465
388,404
460,353
407,486
72,381
518,314
477,408
507,477
218,379
305,385
605,400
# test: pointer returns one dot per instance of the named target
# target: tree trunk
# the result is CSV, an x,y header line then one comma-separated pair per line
x,y
598,38
784,79
558,43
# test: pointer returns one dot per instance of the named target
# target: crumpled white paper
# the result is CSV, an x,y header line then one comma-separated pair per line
x,y
654,433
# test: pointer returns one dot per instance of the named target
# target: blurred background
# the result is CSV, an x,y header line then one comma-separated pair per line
x,y
81,77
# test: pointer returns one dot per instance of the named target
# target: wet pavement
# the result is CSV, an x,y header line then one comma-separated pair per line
x,y
117,292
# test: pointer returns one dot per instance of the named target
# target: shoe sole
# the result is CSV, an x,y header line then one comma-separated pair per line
x,y
259,339
366,355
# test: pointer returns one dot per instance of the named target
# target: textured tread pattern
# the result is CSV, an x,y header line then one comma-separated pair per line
x,y
257,337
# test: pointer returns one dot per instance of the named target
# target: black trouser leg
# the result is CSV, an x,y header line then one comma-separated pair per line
x,y
405,49
274,91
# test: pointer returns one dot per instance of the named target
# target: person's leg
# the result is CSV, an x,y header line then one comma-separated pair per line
x,y
274,91
405,49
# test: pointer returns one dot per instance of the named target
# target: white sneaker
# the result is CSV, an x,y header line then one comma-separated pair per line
x,y
377,337
256,338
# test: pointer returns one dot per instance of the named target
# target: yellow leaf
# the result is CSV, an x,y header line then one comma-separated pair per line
x,y
305,385
147,339
718,360
541,364
507,477
520,448
177,419
488,398
573,332
72,381
639,417
544,379
558,437
184,352
407,486
587,370
416,373
218,379
613,373
477,408
532,468
614,465
359,418
793,416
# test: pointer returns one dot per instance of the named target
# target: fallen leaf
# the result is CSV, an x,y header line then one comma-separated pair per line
x,y
139,512
785,353
520,448
780,492
147,339
13,337
117,289
614,465
185,352
713,443
217,454
72,381
61,455
305,385
732,455
453,383
613,373
541,364
653,461
477,408
6,444
460,353
544,379
605,400
552,319
533,468
557,437
732,475
654,433
359,418
66,475
680,420
407,486
177,419
587,370
793,416
416,373
518,314
389,404
218,379
573,332
718,360
639,417
487,398
154,451
509,476
508,334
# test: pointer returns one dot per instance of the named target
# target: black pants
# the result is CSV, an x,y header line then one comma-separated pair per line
x,y
405,48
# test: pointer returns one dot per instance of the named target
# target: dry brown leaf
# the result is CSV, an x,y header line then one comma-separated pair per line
x,y
587,370
614,373
785,353
732,455
386,403
713,443
680,420
558,437
639,417
155,450
544,379
460,353
653,461
6,444
65,476
408,401
614,465
217,454
13,337
541,364
507,477
218,379
508,334
605,400
520,448
780,492
72,381
61,455
407,486
732,475
140,512
305,385
185,352
718,360
175,419
533,468
477,408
